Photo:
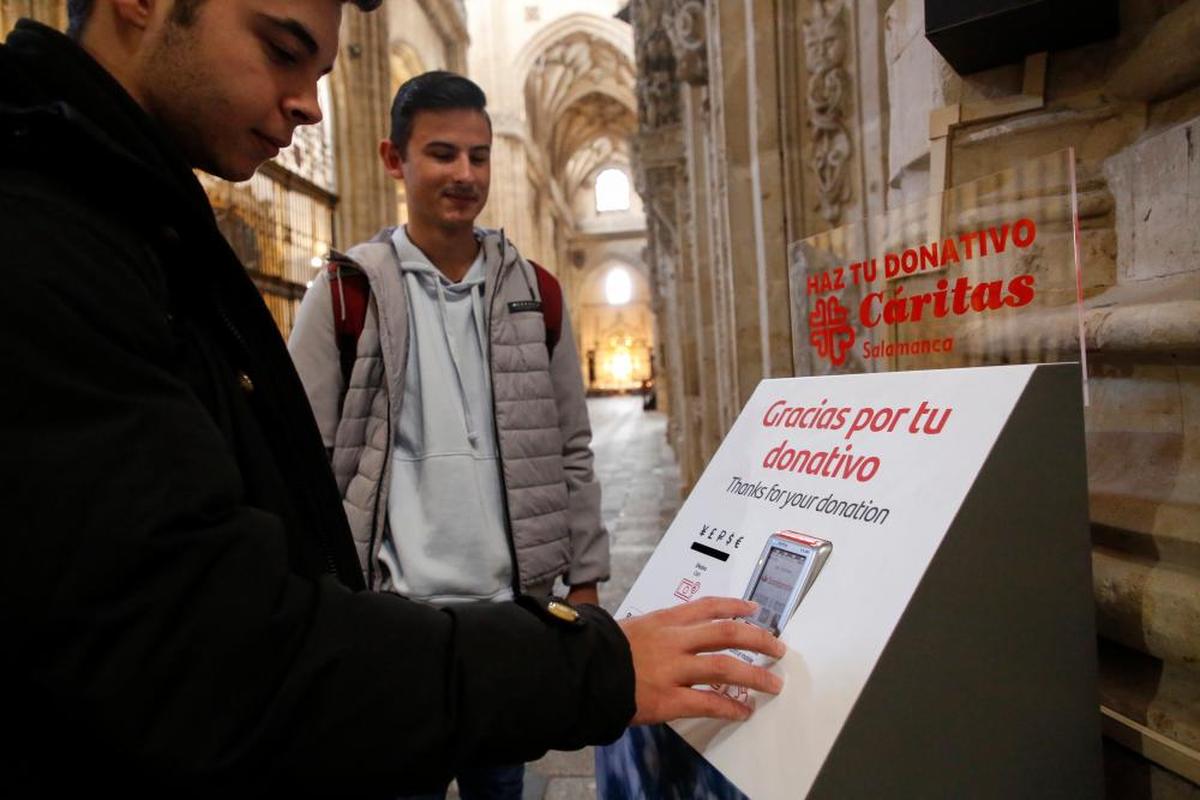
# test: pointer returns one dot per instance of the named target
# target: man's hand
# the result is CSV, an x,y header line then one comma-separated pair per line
x,y
583,593
677,648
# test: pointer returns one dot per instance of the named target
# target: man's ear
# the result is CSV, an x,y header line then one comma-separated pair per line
x,y
393,161
136,13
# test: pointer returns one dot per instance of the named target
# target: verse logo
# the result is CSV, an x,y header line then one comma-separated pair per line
x,y
829,330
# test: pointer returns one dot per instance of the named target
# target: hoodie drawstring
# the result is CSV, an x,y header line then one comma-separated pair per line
x,y
337,274
455,355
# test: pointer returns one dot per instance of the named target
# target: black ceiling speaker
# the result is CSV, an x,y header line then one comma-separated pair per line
x,y
977,34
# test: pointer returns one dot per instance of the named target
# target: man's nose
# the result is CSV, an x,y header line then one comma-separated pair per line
x,y
303,108
462,168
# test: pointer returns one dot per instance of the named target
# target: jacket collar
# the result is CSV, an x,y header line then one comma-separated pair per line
x,y
80,122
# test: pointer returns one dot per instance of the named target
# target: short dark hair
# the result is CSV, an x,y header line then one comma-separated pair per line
x,y
432,91
78,11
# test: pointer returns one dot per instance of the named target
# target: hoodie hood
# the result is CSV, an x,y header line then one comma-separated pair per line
x,y
448,539
455,303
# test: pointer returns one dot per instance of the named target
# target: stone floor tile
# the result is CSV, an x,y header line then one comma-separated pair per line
x,y
567,763
571,789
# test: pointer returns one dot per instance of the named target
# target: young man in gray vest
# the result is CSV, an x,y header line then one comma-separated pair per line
x,y
461,444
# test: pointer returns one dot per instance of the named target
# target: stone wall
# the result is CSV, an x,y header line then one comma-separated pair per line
x,y
765,122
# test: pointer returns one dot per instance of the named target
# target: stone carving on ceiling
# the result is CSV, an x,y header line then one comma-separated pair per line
x,y
600,152
825,48
594,117
579,102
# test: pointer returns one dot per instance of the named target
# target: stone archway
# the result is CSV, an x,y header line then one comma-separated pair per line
x,y
580,110
616,340
616,34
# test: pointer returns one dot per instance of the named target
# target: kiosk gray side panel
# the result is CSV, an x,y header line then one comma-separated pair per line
x,y
987,688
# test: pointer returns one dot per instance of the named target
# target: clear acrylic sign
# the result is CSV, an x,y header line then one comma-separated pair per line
x,y
985,273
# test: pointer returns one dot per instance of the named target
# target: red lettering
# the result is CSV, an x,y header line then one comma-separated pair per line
x,y
891,265
772,456
940,309
949,253
865,309
999,238
861,474
826,418
870,270
1024,232
967,239
929,256
896,309
1020,289
768,420
918,302
987,296
960,295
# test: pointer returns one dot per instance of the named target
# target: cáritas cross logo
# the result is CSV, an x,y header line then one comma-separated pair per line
x,y
829,330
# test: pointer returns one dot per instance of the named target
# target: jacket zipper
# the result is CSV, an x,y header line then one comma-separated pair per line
x,y
512,544
375,512
322,535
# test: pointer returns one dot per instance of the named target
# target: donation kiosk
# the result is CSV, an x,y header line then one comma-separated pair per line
x,y
911,516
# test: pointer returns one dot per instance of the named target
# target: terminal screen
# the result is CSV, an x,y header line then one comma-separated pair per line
x,y
779,577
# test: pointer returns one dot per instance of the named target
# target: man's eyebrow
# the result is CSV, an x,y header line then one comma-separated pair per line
x,y
440,143
296,29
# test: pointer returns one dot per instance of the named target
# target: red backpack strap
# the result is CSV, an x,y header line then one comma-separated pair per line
x,y
348,292
552,304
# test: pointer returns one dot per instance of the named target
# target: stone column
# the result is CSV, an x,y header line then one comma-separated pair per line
x,y
719,233
361,98
757,247
690,37
655,167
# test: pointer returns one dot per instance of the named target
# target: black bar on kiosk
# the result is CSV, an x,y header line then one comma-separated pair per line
x,y
712,552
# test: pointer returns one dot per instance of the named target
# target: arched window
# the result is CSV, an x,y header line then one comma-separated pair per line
x,y
618,286
612,190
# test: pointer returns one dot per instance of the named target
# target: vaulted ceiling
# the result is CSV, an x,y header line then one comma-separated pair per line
x,y
579,101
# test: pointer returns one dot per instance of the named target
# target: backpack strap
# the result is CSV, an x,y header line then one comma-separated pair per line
x,y
552,304
348,292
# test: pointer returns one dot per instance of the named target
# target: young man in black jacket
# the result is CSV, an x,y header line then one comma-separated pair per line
x,y
180,602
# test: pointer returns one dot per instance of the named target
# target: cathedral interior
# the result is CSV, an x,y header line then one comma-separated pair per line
x,y
664,158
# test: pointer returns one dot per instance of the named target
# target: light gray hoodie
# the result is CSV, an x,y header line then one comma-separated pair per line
x,y
446,540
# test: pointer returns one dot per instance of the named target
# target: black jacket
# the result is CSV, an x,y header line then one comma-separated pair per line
x,y
180,602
